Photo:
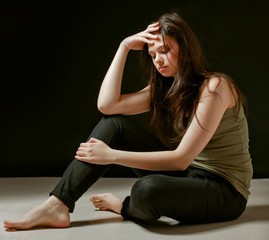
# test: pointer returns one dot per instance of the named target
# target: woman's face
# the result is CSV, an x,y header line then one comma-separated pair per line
x,y
164,58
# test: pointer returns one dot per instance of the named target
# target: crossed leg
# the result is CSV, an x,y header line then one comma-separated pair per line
x,y
118,132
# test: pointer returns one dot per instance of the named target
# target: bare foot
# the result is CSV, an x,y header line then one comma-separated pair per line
x,y
107,201
51,213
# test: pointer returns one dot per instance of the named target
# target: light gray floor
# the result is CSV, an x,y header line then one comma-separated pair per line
x,y
18,195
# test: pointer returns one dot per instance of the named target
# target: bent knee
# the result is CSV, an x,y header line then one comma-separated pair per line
x,y
147,189
116,120
116,117
144,198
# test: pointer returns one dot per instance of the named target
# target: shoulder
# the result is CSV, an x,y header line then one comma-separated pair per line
x,y
216,83
220,86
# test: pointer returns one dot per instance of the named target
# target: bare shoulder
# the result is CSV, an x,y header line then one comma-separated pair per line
x,y
220,86
216,84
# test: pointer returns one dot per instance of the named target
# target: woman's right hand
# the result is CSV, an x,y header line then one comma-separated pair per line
x,y
137,41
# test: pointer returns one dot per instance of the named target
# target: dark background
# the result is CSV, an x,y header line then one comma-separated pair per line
x,y
54,58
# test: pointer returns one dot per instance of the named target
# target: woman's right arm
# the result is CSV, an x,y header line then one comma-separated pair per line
x,y
110,99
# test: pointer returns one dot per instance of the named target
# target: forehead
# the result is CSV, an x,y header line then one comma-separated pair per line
x,y
157,43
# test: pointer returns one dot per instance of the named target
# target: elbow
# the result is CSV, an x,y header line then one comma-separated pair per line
x,y
182,162
103,109
183,166
101,106
108,107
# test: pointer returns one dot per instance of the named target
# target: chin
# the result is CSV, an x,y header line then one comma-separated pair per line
x,y
166,75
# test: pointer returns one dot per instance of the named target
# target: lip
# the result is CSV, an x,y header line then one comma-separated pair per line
x,y
162,68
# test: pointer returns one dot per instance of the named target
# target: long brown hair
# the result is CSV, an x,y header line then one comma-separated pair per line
x,y
173,101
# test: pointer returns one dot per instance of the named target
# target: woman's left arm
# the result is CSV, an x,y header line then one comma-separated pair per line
x,y
215,98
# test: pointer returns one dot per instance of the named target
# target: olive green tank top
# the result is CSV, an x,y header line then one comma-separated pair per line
x,y
227,153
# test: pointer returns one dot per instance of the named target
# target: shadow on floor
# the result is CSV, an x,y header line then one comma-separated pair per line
x,y
97,221
251,214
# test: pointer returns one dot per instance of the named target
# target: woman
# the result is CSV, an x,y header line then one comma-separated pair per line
x,y
197,150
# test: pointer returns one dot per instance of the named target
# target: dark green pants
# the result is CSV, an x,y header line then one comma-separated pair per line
x,y
191,196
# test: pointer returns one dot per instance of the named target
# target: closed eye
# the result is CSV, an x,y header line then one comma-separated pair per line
x,y
163,51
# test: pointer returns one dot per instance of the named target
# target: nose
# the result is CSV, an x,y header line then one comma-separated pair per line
x,y
158,59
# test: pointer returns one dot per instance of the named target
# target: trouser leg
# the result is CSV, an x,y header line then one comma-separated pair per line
x,y
116,131
199,197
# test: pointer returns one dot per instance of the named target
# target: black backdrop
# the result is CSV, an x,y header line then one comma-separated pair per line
x,y
54,57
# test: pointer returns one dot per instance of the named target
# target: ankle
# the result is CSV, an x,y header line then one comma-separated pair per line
x,y
54,200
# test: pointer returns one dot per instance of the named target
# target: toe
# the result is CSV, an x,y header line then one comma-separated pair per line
x,y
92,199
95,198
103,209
8,224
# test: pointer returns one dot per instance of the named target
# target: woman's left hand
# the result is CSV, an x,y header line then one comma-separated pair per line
x,y
95,151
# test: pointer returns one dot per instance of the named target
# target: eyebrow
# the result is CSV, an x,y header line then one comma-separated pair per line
x,y
157,49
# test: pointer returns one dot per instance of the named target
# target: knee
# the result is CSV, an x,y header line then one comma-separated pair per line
x,y
144,198
146,190
115,120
